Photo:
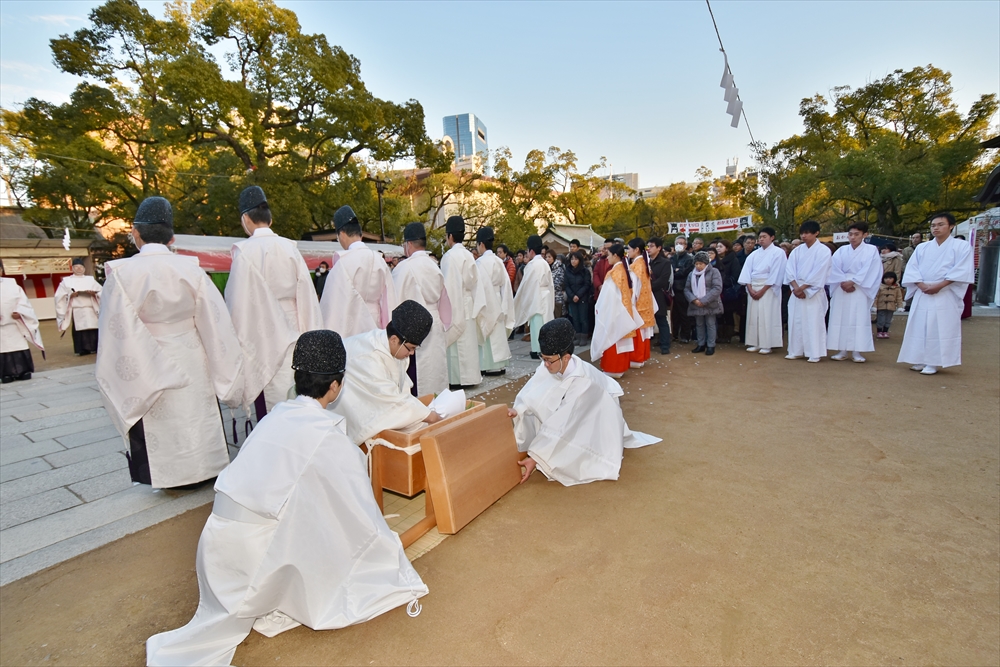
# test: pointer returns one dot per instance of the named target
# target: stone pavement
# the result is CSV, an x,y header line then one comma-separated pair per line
x,y
64,482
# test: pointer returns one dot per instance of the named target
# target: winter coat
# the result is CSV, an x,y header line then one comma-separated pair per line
x,y
890,297
578,283
683,266
662,280
713,294
893,261
558,280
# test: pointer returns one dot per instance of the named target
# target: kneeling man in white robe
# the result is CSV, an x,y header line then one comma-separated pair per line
x,y
936,277
377,387
295,536
567,416
806,271
855,276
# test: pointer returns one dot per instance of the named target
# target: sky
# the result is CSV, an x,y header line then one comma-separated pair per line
x,y
635,82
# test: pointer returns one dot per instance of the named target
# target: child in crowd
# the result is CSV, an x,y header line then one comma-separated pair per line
x,y
890,297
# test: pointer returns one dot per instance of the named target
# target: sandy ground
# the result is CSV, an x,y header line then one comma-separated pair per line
x,y
58,349
799,514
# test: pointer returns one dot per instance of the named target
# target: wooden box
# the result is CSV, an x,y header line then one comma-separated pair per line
x,y
405,473
470,465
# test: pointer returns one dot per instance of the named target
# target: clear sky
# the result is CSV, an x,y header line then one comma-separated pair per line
x,y
637,82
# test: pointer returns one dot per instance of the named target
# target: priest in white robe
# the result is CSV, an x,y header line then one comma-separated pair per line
x,y
418,278
18,327
377,389
806,272
168,354
762,275
535,301
295,536
359,294
567,417
78,304
855,276
461,279
496,319
936,277
272,299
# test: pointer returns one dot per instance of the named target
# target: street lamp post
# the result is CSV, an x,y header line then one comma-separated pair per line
x,y
380,188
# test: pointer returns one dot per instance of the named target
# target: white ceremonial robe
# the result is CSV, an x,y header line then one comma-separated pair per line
x,y
376,393
295,538
418,278
74,308
15,334
461,279
272,300
359,294
764,266
613,325
496,319
536,293
167,351
806,317
933,335
570,423
850,325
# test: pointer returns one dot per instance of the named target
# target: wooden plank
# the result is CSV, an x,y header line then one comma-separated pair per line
x,y
422,527
470,465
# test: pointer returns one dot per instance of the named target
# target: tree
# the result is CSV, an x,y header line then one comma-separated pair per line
x,y
159,116
889,152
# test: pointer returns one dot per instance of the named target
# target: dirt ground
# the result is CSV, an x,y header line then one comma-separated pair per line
x,y
795,514
58,350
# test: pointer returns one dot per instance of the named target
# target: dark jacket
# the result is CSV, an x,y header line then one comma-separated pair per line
x,y
713,294
683,266
319,280
578,283
662,280
729,267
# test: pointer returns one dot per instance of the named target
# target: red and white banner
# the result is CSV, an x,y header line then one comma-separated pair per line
x,y
711,226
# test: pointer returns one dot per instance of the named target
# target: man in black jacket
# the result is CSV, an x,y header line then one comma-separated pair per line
x,y
662,280
683,266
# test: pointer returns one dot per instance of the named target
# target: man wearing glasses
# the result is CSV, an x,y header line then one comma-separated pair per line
x,y
376,393
567,416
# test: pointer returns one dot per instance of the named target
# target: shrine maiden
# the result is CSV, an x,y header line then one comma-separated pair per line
x,y
496,320
855,276
418,278
567,417
295,536
763,274
643,302
358,295
534,303
377,389
806,272
461,278
615,317
272,299
936,278
168,352
78,304
18,327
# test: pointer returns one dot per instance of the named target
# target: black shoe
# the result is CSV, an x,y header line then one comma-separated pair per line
x,y
24,376
700,348
502,371
710,351
667,351
6,378
535,355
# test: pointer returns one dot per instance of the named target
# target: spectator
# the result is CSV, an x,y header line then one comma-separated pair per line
x,y
519,273
574,246
704,296
737,246
749,243
890,297
915,240
662,282
683,265
601,267
579,295
503,252
787,247
892,259
558,280
697,245
729,269
319,280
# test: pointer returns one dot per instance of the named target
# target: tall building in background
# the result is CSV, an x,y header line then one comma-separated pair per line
x,y
466,136
630,179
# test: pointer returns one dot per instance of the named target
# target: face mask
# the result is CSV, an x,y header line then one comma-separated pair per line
x,y
321,270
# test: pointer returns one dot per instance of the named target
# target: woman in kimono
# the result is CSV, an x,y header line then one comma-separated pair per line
x,y
615,318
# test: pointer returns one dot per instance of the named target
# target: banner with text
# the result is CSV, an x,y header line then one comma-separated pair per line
x,y
711,226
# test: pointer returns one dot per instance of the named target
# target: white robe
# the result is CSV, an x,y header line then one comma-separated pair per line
x,y
295,537
572,426
806,317
376,394
272,300
75,309
613,324
764,266
496,319
933,333
536,293
15,334
461,279
359,295
850,312
167,351
418,278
